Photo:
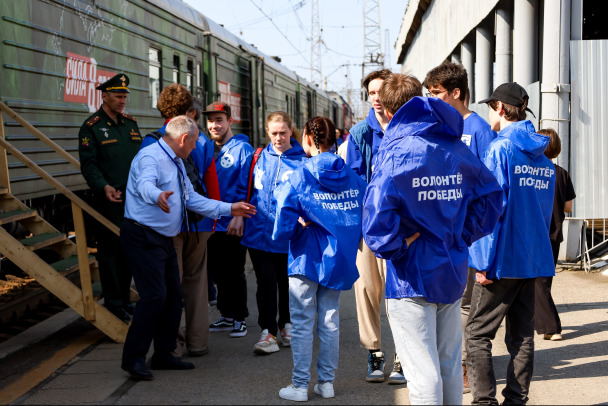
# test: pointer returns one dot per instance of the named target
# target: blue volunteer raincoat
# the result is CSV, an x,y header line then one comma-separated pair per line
x,y
328,193
519,246
232,165
427,180
364,140
271,170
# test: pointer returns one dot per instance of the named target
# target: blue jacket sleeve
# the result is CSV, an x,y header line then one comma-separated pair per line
x,y
484,251
355,159
286,224
485,208
381,220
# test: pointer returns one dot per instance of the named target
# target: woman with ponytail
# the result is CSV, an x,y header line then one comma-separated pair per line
x,y
319,212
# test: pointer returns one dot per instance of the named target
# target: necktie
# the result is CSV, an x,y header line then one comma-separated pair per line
x,y
184,192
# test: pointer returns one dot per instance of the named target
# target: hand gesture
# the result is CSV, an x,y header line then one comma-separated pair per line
x,y
243,209
163,201
112,194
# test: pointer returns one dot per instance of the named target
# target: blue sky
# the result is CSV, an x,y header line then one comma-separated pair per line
x,y
289,36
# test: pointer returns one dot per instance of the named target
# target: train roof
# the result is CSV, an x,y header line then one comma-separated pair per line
x,y
182,10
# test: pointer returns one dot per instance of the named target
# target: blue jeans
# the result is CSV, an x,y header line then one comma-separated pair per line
x,y
428,339
305,299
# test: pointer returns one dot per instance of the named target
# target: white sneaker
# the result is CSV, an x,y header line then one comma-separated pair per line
x,y
293,393
325,389
285,335
267,343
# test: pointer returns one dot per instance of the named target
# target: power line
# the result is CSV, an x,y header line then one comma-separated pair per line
x,y
279,30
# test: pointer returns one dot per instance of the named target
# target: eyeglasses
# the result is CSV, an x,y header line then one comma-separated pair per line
x,y
435,93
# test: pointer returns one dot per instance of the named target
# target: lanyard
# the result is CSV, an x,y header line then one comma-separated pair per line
x,y
181,175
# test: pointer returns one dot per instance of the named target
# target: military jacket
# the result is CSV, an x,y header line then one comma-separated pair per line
x,y
106,149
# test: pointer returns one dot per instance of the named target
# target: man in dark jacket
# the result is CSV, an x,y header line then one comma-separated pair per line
x,y
107,143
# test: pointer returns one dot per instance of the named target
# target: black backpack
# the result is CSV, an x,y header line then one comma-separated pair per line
x,y
193,174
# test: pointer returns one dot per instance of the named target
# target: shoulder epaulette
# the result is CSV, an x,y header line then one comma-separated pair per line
x,y
93,121
129,117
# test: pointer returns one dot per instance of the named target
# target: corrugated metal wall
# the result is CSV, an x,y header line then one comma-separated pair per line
x,y
589,128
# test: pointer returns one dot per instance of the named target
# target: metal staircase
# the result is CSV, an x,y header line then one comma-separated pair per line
x,y
73,257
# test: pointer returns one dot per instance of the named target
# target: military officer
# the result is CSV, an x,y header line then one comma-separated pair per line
x,y
108,142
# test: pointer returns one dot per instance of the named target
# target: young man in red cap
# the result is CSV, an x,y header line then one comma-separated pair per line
x,y
226,262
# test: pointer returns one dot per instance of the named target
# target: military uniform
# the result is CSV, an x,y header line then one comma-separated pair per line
x,y
106,148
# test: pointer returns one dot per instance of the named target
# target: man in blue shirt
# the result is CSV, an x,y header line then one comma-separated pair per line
x,y
449,82
158,193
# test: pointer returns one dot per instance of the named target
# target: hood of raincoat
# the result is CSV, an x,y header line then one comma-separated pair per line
x,y
271,170
519,246
427,180
328,194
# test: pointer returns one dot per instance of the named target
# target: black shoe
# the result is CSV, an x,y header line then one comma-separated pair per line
x,y
119,312
129,308
170,362
138,371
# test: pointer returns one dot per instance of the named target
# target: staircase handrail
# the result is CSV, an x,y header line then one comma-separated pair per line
x,y
49,142
59,186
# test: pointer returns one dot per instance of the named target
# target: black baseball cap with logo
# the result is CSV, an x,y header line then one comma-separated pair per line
x,y
510,93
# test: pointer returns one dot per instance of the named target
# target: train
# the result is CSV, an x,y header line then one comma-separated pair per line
x,y
55,52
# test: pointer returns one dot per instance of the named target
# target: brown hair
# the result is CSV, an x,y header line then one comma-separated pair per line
x,y
174,100
555,144
512,113
449,75
197,107
377,74
279,116
322,130
398,90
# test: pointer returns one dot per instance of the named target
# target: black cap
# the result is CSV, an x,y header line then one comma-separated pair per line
x,y
510,93
218,107
116,84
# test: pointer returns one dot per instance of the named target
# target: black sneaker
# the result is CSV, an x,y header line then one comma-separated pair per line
x,y
222,325
239,330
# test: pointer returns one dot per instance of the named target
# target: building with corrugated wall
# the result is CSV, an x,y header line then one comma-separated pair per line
x,y
556,49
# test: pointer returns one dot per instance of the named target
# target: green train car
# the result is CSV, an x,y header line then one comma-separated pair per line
x,y
55,52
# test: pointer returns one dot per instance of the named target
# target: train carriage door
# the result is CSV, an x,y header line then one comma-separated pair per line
x,y
298,108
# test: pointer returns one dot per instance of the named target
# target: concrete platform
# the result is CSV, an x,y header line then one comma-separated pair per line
x,y
572,371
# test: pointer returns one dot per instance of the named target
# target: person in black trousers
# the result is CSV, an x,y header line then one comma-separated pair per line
x,y
547,320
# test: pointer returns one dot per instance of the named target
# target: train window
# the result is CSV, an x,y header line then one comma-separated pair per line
x,y
287,109
189,74
155,75
594,16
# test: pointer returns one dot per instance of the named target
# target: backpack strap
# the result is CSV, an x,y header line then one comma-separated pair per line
x,y
157,135
256,156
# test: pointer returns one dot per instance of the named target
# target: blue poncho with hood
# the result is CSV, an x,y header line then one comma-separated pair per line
x,y
519,246
363,143
427,180
329,194
270,171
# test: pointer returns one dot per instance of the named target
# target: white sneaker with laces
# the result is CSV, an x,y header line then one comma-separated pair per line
x,y
325,389
267,343
292,393
285,335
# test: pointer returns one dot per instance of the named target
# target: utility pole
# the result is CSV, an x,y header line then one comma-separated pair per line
x,y
387,49
316,75
373,58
